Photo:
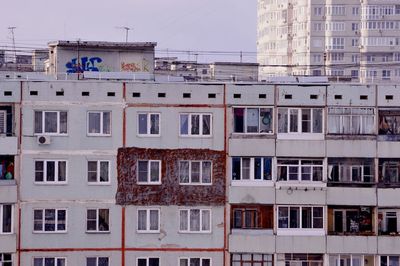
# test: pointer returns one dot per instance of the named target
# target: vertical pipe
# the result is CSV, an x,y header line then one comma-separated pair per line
x,y
123,237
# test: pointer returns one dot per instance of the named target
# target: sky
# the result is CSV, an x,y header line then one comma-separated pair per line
x,y
189,25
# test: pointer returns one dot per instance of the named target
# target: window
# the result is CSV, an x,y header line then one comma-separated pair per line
x,y
6,215
195,220
300,170
389,172
98,172
252,120
354,74
6,259
355,59
350,260
251,169
194,262
386,74
352,220
6,167
303,259
252,217
354,26
149,172
355,10
49,261
294,120
354,42
148,220
149,124
317,11
50,220
97,220
3,121
354,121
148,262
97,261
335,43
252,259
300,217
195,172
390,260
195,124
50,171
388,222
51,122
389,122
99,123
350,171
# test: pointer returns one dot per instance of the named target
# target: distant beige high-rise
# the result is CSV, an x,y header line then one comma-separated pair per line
x,y
352,38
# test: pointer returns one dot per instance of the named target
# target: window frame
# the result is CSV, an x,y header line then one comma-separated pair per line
x,y
188,223
266,258
3,126
148,223
252,170
98,169
299,133
97,230
56,259
190,258
101,133
259,122
2,219
189,125
148,129
300,229
56,172
351,116
97,259
3,260
200,183
147,260
300,166
149,182
43,123
43,221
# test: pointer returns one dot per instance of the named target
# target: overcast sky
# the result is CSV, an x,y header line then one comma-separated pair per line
x,y
205,25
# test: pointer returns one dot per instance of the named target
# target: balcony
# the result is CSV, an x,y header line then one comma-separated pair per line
x,y
256,241
351,244
8,144
8,243
362,196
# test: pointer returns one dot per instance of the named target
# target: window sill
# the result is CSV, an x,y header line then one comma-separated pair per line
x,y
98,232
148,135
285,184
148,184
196,184
99,184
8,182
202,232
237,183
196,136
98,135
147,232
300,232
50,184
300,136
50,232
50,134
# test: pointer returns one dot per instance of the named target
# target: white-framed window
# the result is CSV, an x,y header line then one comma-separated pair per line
x,y
350,170
300,120
149,124
98,172
355,121
386,74
335,43
50,220
389,260
195,124
195,172
99,123
195,220
253,120
302,259
49,261
251,168
50,171
300,170
97,261
98,220
300,217
3,121
148,262
6,259
194,261
148,220
6,215
51,122
252,259
349,259
149,172
389,219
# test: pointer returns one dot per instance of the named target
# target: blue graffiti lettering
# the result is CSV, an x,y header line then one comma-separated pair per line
x,y
85,64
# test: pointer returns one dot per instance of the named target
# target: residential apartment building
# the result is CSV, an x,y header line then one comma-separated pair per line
x,y
339,38
148,174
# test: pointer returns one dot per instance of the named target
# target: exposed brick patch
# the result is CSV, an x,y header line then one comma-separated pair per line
x,y
170,192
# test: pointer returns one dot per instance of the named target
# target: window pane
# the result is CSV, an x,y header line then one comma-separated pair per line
x,y
206,262
195,175
103,220
142,262
294,114
104,172
267,173
37,262
183,220
154,262
91,261
266,125
50,122
154,124
282,120
184,120
61,220
62,171
142,118
7,217
195,262
92,171
63,122
154,219
39,171
236,168
306,217
257,168
106,122
246,168
91,220
38,122
142,220
154,171
206,176
184,171
294,213
317,120
183,262
252,120
205,220
51,168
94,123
318,217
38,220
142,166
206,124
195,125
103,261
195,220
50,220
238,120
237,219
283,217
49,262
306,120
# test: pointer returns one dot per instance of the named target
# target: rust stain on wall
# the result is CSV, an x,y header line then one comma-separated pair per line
x,y
169,192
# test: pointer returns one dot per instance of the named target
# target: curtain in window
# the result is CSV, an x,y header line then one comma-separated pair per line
x,y
294,116
184,171
252,118
49,220
195,125
92,171
154,171
62,171
334,124
195,262
154,124
142,219
195,220
103,171
63,122
246,168
317,121
142,119
142,172
94,123
282,120
368,122
184,124
205,220
206,124
38,220
183,223
153,219
38,121
206,176
103,220
195,174
238,120
50,122
7,216
107,123
61,217
356,125
51,168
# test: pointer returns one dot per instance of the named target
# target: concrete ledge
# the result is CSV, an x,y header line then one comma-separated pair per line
x,y
351,196
352,244
252,241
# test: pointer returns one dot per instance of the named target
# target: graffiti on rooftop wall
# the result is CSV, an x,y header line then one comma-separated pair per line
x,y
135,66
85,64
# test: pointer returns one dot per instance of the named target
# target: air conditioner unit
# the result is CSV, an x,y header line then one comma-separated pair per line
x,y
43,140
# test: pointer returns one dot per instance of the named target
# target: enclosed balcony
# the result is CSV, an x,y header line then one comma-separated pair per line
x,y
389,172
355,172
351,220
389,222
8,140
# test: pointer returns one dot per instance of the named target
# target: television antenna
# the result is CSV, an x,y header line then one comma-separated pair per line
x,y
126,29
11,29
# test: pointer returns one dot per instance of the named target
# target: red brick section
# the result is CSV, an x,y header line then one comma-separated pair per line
x,y
170,192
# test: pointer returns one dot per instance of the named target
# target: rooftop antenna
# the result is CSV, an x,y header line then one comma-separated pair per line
x,y
12,28
127,29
